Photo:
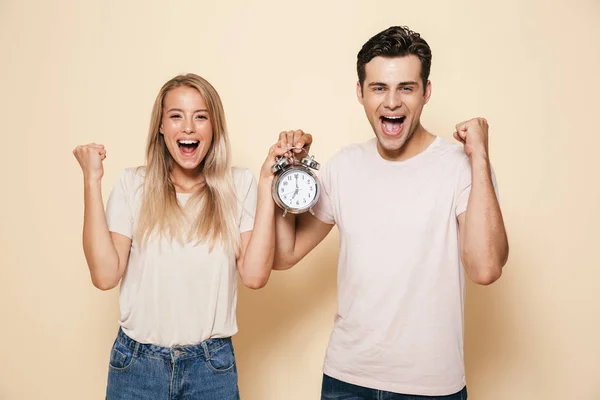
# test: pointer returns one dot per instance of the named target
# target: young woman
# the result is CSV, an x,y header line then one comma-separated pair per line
x,y
176,234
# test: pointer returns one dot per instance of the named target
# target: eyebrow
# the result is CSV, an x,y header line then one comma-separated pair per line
x,y
180,110
407,83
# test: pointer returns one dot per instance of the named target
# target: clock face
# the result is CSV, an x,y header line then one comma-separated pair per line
x,y
297,189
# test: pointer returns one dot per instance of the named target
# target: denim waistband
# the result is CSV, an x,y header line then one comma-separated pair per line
x,y
203,349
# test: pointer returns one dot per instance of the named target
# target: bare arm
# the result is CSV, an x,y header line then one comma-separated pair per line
x,y
483,239
296,237
106,253
256,259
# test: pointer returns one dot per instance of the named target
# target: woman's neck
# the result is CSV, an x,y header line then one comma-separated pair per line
x,y
187,181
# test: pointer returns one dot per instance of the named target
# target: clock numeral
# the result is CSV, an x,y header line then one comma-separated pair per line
x,y
289,177
281,190
297,202
285,183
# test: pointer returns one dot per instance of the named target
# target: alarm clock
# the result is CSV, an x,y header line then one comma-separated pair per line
x,y
295,188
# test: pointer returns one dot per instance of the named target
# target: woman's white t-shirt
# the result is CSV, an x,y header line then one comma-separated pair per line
x,y
173,294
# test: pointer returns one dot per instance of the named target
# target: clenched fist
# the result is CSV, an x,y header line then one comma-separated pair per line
x,y
90,157
295,141
473,134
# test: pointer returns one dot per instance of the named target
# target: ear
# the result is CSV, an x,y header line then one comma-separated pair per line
x,y
427,91
160,129
359,94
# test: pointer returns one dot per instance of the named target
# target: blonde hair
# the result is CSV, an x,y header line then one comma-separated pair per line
x,y
211,211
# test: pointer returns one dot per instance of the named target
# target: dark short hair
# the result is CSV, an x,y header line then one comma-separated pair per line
x,y
395,41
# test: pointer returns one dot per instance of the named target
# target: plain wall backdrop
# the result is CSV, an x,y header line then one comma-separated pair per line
x,y
74,72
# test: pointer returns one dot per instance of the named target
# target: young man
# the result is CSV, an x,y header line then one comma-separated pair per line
x,y
412,210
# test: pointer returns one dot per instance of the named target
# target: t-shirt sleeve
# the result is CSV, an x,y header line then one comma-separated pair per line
x,y
119,215
323,210
464,187
249,199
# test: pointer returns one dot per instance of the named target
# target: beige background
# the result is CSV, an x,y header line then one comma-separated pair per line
x,y
73,72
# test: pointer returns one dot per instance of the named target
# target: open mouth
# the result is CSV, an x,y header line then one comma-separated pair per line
x,y
188,146
392,124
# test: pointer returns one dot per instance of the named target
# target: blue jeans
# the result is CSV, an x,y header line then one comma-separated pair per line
x,y
333,389
205,371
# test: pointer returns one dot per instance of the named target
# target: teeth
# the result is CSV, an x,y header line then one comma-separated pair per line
x,y
188,141
393,116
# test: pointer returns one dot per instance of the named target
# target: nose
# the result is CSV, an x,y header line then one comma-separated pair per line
x,y
188,126
392,100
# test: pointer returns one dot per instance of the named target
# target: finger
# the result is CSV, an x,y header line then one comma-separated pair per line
x,y
278,151
80,153
283,139
281,147
307,139
457,137
298,133
461,126
462,129
103,156
304,141
290,139
282,142
274,149
94,146
298,142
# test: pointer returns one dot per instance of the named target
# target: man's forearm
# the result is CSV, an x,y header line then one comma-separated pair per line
x,y
285,231
485,245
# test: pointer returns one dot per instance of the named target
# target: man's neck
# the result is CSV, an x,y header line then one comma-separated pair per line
x,y
418,142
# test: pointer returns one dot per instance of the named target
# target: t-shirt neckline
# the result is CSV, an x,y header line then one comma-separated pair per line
x,y
413,159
